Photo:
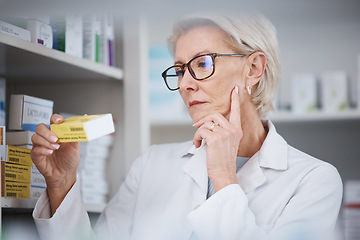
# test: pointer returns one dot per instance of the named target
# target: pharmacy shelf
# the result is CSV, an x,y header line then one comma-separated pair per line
x,y
21,60
30,204
316,116
278,117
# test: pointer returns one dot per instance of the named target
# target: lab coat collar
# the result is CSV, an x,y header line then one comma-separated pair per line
x,y
196,167
272,155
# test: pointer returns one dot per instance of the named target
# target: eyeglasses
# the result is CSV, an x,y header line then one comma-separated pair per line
x,y
200,67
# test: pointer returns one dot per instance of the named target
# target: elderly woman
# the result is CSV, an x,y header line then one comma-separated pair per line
x,y
237,178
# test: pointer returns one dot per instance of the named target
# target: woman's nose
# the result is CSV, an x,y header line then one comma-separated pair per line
x,y
188,82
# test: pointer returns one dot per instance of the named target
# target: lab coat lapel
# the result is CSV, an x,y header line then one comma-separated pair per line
x,y
251,176
190,194
272,154
197,170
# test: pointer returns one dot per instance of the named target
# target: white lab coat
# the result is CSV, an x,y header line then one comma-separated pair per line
x,y
282,194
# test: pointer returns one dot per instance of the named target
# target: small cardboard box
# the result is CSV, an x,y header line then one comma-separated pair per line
x,y
304,92
27,112
334,92
84,128
17,155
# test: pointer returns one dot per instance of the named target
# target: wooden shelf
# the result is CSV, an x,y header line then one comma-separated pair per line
x,y
21,61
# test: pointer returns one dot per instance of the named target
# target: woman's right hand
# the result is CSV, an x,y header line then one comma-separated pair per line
x,y
57,162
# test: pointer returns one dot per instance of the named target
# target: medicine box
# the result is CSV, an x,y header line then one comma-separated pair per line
x,y
15,172
41,32
84,128
74,35
37,179
19,137
15,190
15,31
36,191
17,155
304,92
334,97
26,112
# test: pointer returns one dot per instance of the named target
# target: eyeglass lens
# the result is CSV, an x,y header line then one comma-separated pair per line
x,y
200,68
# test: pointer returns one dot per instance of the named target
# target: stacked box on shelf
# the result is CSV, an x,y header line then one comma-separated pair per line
x,y
15,31
351,211
98,39
92,170
15,171
41,31
25,113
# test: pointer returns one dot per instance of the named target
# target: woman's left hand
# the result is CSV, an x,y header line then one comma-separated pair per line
x,y
222,140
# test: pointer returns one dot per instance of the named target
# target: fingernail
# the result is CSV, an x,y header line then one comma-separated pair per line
x,y
57,119
49,151
55,146
236,90
53,138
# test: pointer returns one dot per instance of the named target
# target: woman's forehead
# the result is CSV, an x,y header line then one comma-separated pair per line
x,y
199,40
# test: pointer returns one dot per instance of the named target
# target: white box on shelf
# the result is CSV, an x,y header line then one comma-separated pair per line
x,y
352,191
19,137
36,178
99,186
41,32
93,163
74,35
15,31
304,92
94,198
92,174
91,37
94,151
334,97
26,112
2,101
105,141
36,191
107,40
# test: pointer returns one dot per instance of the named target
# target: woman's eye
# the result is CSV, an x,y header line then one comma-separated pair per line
x,y
206,65
179,73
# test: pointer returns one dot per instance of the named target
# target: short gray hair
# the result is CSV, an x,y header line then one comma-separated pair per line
x,y
244,35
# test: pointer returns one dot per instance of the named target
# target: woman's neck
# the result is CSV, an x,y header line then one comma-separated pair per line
x,y
254,133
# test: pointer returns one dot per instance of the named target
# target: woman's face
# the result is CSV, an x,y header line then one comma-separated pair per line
x,y
212,94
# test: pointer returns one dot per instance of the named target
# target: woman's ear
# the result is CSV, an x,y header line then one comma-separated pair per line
x,y
256,63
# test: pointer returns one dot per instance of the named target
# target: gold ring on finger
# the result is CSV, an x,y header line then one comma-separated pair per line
x,y
213,126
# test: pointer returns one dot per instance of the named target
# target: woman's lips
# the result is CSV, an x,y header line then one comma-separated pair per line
x,y
195,103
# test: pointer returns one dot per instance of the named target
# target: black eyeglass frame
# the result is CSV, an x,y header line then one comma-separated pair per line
x,y
213,56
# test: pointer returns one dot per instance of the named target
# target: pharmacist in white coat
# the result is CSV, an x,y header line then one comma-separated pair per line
x,y
237,178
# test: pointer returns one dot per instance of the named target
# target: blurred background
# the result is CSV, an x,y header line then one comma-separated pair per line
x,y
317,108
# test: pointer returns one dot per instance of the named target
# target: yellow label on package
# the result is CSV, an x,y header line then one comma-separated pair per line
x,y
79,128
15,172
18,155
16,190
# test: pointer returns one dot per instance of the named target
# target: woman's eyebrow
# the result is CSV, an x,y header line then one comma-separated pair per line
x,y
178,62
